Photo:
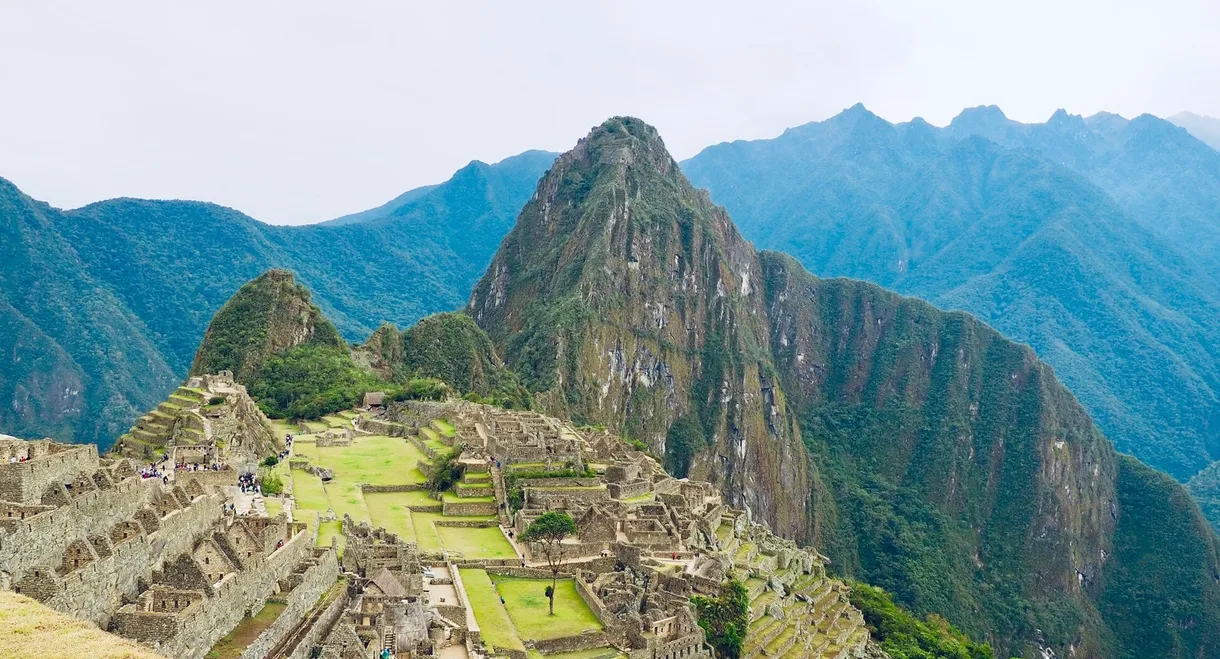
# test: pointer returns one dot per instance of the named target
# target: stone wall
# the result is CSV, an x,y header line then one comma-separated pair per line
x,y
323,620
208,479
316,580
470,508
24,482
35,540
218,615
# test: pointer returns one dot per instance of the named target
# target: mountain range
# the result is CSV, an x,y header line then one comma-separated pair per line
x,y
1206,128
103,306
1096,241
918,448
1091,239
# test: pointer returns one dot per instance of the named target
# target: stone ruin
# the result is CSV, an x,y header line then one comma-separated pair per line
x,y
208,422
165,565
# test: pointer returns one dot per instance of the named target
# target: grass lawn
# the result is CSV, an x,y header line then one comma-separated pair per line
x,y
527,603
436,445
427,433
446,428
495,626
231,646
591,653
274,506
307,491
389,510
476,542
476,476
336,422
316,426
425,532
328,530
283,428
376,460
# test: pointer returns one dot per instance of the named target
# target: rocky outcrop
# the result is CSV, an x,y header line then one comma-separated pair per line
x,y
923,451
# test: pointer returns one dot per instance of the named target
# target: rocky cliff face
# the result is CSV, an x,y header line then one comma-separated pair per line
x,y
266,316
923,451
624,297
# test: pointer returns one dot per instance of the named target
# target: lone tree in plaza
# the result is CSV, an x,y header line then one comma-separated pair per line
x,y
550,530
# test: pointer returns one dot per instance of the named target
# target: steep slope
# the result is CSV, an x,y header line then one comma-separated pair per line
x,y
624,297
104,306
74,362
1013,235
1204,128
922,450
265,317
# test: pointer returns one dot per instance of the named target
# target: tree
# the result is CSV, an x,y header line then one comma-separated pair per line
x,y
550,530
725,618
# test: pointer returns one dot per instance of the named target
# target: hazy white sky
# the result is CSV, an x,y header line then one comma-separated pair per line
x,y
299,111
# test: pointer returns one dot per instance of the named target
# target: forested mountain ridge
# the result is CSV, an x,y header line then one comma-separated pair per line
x,y
108,303
919,448
1049,232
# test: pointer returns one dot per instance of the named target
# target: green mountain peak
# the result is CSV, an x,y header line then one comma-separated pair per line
x,y
268,315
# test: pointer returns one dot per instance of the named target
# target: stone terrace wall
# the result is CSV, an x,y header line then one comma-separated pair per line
x,y
317,580
248,591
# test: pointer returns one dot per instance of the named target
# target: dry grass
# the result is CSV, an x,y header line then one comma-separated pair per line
x,y
29,630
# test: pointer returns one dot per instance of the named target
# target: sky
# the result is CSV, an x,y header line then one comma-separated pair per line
x,y
298,112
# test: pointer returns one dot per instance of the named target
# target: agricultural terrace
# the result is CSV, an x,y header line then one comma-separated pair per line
x,y
381,460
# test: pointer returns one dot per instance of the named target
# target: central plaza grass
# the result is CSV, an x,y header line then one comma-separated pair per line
x,y
381,460
487,542
495,627
526,605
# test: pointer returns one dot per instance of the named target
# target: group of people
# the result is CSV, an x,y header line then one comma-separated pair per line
x,y
247,484
193,466
153,471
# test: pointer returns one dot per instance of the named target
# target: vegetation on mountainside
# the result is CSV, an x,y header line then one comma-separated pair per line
x,y
1092,240
450,347
311,381
109,302
903,636
269,314
1205,488
725,618
308,382
1158,588
949,466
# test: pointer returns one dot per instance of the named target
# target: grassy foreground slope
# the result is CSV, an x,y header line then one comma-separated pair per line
x,y
29,630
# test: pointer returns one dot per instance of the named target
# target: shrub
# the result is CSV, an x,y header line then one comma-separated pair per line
x,y
271,484
270,461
